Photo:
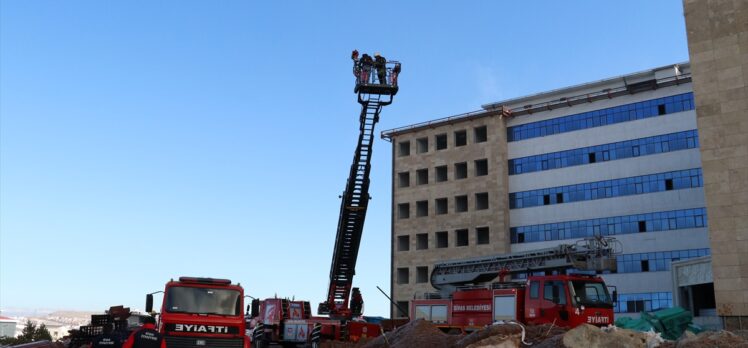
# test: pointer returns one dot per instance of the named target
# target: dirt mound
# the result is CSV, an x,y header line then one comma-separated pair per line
x,y
713,339
491,331
417,333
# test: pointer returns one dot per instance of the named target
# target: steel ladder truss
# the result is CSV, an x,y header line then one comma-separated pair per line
x,y
592,254
353,207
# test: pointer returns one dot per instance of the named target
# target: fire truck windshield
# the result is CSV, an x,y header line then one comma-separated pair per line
x,y
181,299
589,293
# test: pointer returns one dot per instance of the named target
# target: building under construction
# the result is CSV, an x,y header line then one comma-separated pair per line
x,y
617,157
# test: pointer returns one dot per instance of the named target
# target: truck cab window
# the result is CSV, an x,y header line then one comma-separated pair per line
x,y
548,291
534,289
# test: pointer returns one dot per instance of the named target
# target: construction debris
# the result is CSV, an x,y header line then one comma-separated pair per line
x,y
417,333
421,333
713,339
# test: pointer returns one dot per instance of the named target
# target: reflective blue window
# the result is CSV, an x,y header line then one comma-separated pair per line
x,y
606,152
668,181
648,301
597,118
608,226
655,261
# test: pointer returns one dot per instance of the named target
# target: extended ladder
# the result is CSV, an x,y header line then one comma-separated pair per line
x,y
354,203
592,254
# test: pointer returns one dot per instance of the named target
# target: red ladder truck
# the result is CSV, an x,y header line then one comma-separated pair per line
x,y
289,322
202,312
465,302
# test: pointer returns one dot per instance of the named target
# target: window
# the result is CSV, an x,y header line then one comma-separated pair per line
x,y
481,235
403,210
655,261
644,184
461,236
559,197
548,291
442,239
480,134
403,276
403,179
422,241
597,118
642,226
401,309
422,176
461,204
605,152
441,206
461,170
481,167
481,201
422,208
668,184
534,289
404,148
460,138
422,145
422,274
635,306
441,173
403,243
441,141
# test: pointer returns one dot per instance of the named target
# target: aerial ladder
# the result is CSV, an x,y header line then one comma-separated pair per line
x,y
376,86
590,254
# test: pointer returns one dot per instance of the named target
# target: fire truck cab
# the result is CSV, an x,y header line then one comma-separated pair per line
x,y
202,312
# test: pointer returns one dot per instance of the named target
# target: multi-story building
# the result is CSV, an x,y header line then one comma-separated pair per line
x,y
718,47
618,157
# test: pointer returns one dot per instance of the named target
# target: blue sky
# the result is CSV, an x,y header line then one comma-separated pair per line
x,y
144,140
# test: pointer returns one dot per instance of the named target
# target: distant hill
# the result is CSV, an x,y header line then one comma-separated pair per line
x,y
73,314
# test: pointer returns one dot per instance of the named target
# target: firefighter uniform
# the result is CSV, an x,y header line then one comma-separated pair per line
x,y
145,337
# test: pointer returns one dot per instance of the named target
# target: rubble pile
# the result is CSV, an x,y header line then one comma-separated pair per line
x,y
712,339
417,333
420,333
533,334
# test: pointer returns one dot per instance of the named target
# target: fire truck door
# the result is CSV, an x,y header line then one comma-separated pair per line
x,y
554,304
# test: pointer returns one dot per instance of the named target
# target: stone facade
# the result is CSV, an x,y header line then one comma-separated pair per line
x,y
419,233
718,48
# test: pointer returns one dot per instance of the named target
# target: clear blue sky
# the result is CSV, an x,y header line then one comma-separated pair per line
x,y
144,140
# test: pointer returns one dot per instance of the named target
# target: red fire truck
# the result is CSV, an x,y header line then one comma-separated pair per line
x,y
466,303
290,322
202,312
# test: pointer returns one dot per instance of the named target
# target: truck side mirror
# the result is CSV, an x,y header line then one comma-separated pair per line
x,y
615,297
255,308
149,303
